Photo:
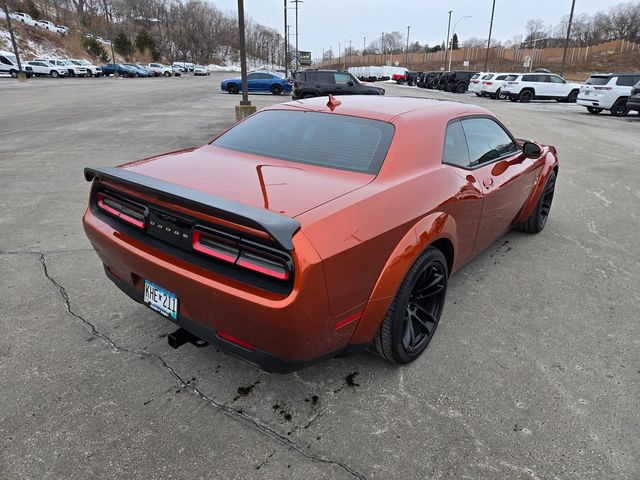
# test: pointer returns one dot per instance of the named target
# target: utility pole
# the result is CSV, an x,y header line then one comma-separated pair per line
x,y
486,58
382,46
349,53
339,55
406,52
286,41
21,76
566,40
446,47
297,36
245,108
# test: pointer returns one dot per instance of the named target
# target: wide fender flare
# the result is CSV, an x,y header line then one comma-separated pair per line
x,y
551,162
434,227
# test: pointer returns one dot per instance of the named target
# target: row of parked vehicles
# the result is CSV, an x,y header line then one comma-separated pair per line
x,y
27,19
58,67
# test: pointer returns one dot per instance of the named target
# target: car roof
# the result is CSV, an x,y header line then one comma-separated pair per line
x,y
383,108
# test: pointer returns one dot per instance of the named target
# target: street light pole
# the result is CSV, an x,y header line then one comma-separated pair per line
x,y
454,32
446,47
286,41
406,52
349,53
566,40
486,58
297,51
21,75
382,46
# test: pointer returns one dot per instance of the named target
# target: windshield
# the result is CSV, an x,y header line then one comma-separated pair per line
x,y
328,140
11,58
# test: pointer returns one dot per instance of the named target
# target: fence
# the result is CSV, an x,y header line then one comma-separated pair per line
x,y
477,55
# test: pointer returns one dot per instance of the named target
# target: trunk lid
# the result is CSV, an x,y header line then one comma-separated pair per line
x,y
284,187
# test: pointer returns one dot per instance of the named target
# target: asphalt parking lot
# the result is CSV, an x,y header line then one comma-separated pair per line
x,y
534,372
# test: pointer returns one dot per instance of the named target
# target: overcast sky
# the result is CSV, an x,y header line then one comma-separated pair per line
x,y
325,23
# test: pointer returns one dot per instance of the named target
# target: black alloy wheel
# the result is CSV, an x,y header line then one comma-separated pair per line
x,y
526,96
594,110
232,88
461,88
538,218
414,314
572,97
619,108
276,89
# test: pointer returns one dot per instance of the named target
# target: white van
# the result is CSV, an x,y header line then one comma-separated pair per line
x,y
9,64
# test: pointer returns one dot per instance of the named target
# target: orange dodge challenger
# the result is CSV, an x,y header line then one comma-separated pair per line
x,y
317,228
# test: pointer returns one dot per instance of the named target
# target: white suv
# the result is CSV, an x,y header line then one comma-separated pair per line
x,y
41,68
24,18
544,86
72,68
476,82
492,87
91,69
608,91
161,69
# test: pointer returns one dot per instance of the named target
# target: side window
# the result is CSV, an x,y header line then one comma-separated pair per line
x,y
252,76
342,78
486,140
501,77
4,61
324,77
555,79
627,80
455,146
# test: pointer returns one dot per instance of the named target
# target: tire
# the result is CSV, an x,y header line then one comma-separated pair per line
x,y
88,74
414,313
538,218
461,88
478,94
309,95
13,73
513,99
619,108
594,110
573,97
400,82
232,88
54,74
276,89
526,96
167,74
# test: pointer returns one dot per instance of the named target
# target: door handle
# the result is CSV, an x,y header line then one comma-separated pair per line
x,y
487,182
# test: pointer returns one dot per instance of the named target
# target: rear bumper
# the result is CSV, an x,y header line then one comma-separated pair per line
x,y
285,331
592,102
261,359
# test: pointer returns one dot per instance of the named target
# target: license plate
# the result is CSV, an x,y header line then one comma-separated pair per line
x,y
162,301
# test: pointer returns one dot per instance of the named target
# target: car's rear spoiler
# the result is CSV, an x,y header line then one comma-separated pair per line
x,y
280,227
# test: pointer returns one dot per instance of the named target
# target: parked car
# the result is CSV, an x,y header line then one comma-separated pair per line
x,y
314,83
270,233
525,87
91,70
608,91
73,69
9,64
492,87
46,25
429,80
475,83
122,70
458,81
257,82
200,70
184,66
161,69
634,98
23,18
42,68
412,78
62,30
137,71
399,78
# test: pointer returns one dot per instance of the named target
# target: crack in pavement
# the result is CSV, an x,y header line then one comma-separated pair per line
x,y
239,415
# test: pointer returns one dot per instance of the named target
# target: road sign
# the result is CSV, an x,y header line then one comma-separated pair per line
x,y
527,62
466,63
304,58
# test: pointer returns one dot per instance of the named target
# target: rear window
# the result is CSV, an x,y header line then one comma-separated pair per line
x,y
324,139
627,80
598,80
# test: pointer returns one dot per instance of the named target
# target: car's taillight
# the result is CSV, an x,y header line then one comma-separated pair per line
x,y
488,83
125,211
603,88
239,254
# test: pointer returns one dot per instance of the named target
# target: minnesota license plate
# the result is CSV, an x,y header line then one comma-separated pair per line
x,y
162,301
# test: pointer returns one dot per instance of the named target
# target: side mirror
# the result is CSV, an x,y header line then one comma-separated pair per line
x,y
531,150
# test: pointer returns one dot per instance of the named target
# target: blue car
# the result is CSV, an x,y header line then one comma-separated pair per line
x,y
122,70
257,82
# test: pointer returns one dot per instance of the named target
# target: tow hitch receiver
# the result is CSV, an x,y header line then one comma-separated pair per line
x,y
181,336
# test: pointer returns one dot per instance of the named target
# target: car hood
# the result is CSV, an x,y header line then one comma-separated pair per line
x,y
284,187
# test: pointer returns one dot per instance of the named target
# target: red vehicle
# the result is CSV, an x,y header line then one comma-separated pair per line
x,y
399,78
314,229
